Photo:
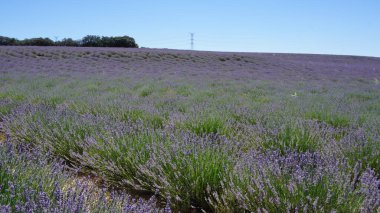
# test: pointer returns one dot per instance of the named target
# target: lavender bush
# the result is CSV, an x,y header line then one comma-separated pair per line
x,y
33,182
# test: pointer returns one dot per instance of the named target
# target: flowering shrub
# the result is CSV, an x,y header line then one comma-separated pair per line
x,y
32,182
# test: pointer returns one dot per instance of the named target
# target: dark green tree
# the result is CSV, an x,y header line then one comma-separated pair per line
x,y
91,41
8,41
69,42
37,42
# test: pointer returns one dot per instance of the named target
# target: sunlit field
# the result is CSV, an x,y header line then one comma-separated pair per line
x,y
154,130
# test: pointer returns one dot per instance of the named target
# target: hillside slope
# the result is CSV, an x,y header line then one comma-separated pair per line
x,y
179,63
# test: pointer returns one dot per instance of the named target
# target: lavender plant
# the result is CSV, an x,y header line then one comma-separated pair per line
x,y
33,182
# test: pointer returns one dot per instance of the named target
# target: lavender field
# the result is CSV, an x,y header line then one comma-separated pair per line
x,y
156,130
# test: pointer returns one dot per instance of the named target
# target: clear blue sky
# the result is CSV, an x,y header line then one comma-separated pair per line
x,y
298,26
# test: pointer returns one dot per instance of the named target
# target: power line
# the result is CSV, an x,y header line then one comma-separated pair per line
x,y
192,40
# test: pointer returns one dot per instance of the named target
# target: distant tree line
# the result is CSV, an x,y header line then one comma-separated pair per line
x,y
87,41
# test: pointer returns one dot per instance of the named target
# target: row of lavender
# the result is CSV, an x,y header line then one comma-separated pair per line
x,y
32,181
305,164
196,65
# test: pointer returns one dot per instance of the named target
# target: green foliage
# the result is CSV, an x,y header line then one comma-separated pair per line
x,y
300,138
120,158
359,96
133,115
365,152
119,41
203,126
97,41
8,41
146,91
14,96
53,101
6,108
244,118
334,119
152,120
37,42
61,135
91,41
69,42
189,178
156,121
87,41
184,90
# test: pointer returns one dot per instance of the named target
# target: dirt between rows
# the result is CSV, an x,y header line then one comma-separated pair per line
x,y
3,137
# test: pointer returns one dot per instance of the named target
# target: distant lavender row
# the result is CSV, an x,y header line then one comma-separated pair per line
x,y
183,64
